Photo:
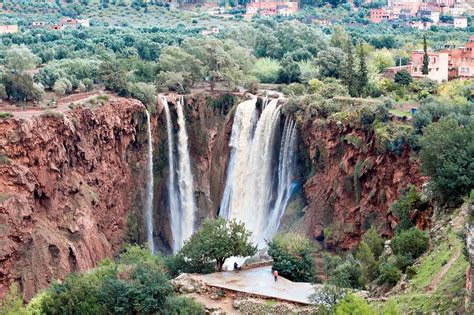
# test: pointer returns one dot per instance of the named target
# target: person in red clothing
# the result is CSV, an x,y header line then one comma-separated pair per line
x,y
275,275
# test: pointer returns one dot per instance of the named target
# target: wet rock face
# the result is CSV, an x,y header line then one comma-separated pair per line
x,y
351,183
65,189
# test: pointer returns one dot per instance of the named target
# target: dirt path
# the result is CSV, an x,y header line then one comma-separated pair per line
x,y
62,105
433,286
226,304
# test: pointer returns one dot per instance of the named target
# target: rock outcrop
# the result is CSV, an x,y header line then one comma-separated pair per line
x,y
65,189
352,182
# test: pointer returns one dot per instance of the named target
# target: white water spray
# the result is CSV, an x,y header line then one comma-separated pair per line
x,y
173,199
185,179
149,188
260,170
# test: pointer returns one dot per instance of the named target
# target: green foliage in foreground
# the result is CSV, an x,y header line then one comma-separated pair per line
x,y
136,284
447,148
354,305
409,245
216,241
292,257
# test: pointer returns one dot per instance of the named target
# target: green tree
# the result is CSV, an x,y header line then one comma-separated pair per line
x,y
368,261
348,73
175,59
12,303
374,241
447,148
19,59
362,72
292,256
114,78
389,274
403,77
289,71
405,207
330,62
216,241
348,274
145,93
354,305
266,70
408,245
21,88
180,305
426,59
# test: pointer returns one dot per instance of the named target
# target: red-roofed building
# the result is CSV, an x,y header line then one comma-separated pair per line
x,y
461,61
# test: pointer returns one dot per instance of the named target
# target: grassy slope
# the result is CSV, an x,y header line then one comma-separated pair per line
x,y
448,294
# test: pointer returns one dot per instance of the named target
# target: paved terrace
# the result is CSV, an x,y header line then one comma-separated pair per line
x,y
259,281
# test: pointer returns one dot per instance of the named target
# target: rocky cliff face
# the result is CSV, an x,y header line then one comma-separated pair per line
x,y
209,124
65,189
352,183
72,186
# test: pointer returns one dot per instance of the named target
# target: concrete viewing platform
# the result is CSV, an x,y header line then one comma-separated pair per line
x,y
260,282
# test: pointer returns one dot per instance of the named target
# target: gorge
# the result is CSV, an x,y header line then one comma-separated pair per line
x,y
74,186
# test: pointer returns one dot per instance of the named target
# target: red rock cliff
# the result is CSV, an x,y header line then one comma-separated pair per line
x,y
352,184
64,191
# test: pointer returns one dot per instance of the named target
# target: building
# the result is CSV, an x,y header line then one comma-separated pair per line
x,y
420,25
460,22
392,71
379,15
438,69
212,30
272,8
461,61
73,23
8,29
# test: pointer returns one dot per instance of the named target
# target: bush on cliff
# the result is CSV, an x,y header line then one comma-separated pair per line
x,y
447,149
408,245
292,257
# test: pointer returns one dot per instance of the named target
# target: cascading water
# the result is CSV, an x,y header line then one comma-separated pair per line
x,y
173,198
286,185
259,175
149,188
185,176
180,180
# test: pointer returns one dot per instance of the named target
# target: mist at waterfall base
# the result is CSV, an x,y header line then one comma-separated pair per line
x,y
260,171
260,174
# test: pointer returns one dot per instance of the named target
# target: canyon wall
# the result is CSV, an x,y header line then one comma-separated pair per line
x,y
352,182
72,187
66,184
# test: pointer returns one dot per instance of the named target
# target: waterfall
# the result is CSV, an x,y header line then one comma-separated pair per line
x,y
240,142
260,169
173,199
149,188
180,181
185,182
286,165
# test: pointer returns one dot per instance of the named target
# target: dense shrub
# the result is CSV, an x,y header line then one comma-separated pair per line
x,y
135,285
292,257
355,305
405,207
181,305
388,274
409,245
348,274
446,155
266,70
